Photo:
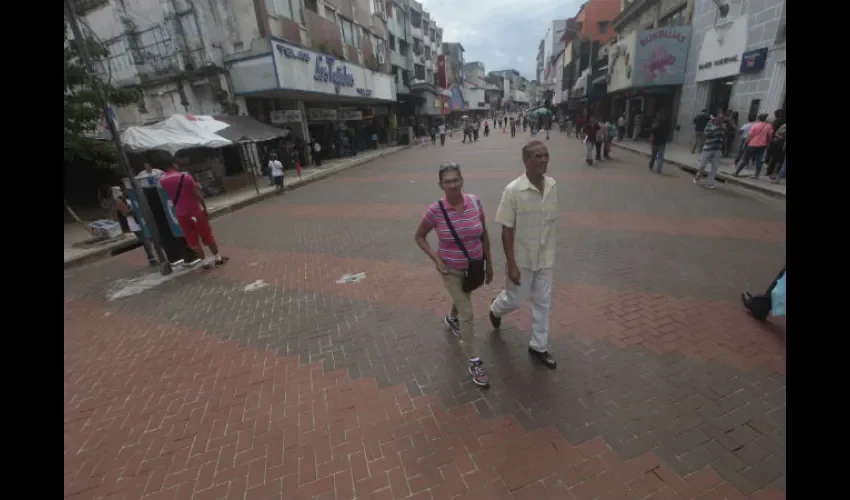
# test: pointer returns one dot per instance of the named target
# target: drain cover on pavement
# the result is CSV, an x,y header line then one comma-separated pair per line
x,y
351,278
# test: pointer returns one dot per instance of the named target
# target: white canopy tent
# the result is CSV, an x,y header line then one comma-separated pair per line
x,y
175,133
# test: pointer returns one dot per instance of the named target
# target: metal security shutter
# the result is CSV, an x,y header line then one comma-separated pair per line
x,y
777,88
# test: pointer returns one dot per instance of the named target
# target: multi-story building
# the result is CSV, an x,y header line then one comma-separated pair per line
x,y
736,62
474,73
538,75
552,46
415,47
582,87
514,89
309,65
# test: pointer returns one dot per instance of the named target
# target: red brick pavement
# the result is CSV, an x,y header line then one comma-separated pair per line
x,y
697,328
713,227
157,411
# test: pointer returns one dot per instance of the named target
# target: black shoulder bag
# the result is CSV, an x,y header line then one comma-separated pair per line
x,y
474,275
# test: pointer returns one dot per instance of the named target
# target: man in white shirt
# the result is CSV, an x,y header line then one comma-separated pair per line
x,y
149,175
528,213
276,168
442,130
621,127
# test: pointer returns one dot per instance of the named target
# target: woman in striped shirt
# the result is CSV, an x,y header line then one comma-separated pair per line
x,y
466,215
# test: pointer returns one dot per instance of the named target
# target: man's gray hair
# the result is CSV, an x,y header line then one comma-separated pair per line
x,y
526,150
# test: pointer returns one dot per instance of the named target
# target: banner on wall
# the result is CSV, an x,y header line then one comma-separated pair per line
x,y
441,71
661,56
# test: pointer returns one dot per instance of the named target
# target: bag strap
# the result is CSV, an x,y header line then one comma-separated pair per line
x,y
454,233
179,189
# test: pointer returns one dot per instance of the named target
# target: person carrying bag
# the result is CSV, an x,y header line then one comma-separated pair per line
x,y
475,272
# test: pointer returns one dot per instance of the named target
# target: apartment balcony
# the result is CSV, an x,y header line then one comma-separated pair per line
x,y
416,33
397,59
324,34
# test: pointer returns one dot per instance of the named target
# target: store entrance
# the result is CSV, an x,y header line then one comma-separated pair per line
x,y
720,95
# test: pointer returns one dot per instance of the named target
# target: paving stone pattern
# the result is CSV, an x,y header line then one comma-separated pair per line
x,y
311,389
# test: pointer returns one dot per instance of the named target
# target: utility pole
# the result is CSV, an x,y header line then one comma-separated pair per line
x,y
147,214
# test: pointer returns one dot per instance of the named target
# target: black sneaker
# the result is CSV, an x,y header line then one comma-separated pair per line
x,y
495,320
544,357
453,325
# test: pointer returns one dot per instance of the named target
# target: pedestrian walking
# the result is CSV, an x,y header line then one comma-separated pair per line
x,y
192,215
463,257
276,168
700,122
528,213
592,139
317,153
611,132
760,137
714,132
433,135
621,126
442,130
486,128
513,127
658,141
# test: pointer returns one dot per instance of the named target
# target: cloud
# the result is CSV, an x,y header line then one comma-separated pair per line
x,y
503,34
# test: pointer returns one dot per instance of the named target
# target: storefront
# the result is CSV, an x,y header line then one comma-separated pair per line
x,y
719,63
315,96
646,71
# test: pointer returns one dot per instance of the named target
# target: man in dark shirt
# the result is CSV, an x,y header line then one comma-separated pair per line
x,y
699,131
659,138
591,128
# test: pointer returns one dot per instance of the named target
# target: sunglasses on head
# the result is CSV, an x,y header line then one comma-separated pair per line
x,y
449,166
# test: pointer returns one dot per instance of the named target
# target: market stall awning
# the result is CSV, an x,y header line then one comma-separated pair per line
x,y
175,133
242,128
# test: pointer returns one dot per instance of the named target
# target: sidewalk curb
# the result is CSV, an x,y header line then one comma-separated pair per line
x,y
218,212
720,176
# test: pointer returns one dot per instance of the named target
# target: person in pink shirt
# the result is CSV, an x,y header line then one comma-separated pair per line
x,y
463,215
760,136
191,212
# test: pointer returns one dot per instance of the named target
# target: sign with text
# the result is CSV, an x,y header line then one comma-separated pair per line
x,y
722,47
282,116
661,56
350,115
321,115
301,69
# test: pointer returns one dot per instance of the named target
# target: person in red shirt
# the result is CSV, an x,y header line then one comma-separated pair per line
x,y
191,212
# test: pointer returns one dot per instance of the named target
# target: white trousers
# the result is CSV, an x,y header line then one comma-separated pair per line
x,y
538,286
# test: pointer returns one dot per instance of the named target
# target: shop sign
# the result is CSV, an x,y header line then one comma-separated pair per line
x,y
338,76
661,56
752,61
304,70
722,47
350,115
293,53
285,116
321,115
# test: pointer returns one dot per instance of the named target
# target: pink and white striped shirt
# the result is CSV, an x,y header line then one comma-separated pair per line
x,y
469,226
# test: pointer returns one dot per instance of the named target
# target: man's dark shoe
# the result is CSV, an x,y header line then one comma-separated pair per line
x,y
495,320
544,357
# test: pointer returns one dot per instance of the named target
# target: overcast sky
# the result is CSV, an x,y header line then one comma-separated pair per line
x,y
503,34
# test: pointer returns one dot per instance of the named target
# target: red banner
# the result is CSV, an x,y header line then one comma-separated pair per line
x,y
441,71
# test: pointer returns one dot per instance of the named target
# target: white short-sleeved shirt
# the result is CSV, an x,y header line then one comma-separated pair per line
x,y
276,167
533,218
442,129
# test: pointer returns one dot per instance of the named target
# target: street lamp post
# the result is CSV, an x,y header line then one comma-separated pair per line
x,y
147,214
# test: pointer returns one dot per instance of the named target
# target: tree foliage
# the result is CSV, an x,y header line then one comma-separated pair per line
x,y
82,109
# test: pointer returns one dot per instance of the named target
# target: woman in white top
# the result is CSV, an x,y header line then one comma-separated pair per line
x,y
276,169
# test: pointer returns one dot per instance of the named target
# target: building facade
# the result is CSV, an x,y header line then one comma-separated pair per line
x,y
583,87
736,63
647,63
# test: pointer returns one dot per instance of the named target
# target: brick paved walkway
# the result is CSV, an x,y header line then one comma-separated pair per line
x,y
306,388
